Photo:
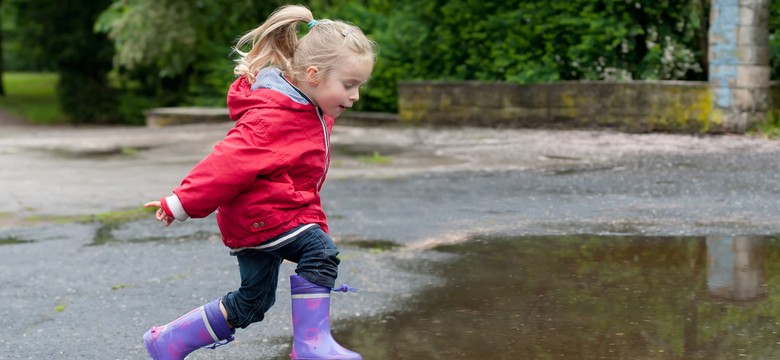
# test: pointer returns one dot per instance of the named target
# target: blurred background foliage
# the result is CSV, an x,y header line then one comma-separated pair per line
x,y
116,58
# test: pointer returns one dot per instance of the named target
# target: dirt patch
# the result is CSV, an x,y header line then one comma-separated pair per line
x,y
8,119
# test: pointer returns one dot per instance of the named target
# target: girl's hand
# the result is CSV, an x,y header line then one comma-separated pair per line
x,y
160,213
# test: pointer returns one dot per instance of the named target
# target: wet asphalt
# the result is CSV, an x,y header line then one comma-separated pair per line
x,y
79,289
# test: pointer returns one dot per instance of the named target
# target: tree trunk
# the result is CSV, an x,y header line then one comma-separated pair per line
x,y
704,42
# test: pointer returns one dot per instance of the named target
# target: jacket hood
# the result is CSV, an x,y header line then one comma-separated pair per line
x,y
270,91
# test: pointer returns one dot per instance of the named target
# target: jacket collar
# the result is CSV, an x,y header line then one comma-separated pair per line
x,y
272,78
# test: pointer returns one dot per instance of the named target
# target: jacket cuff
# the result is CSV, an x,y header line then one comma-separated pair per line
x,y
173,207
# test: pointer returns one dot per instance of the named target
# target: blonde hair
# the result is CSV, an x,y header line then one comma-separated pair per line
x,y
276,43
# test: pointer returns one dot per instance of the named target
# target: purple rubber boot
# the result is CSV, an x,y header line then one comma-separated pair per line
x,y
311,323
204,326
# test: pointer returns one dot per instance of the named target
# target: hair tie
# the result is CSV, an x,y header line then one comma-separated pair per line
x,y
312,23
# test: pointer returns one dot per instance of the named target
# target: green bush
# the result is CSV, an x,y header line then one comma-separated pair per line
x,y
132,107
86,100
527,41
189,61
63,31
774,38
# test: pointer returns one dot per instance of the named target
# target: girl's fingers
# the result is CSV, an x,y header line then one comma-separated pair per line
x,y
152,204
160,214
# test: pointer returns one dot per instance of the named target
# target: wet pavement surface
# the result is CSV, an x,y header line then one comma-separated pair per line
x,y
465,243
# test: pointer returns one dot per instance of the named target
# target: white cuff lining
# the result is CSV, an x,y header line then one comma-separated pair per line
x,y
174,204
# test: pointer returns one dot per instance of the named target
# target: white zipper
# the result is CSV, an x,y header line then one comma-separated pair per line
x,y
327,147
324,130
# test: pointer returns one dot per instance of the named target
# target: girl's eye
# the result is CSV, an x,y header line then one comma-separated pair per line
x,y
349,85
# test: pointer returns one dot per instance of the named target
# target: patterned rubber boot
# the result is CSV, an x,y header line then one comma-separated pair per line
x,y
311,323
202,327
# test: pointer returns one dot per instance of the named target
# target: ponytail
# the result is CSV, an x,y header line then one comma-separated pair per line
x,y
273,42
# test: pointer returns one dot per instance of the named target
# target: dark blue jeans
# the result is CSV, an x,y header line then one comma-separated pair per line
x,y
314,252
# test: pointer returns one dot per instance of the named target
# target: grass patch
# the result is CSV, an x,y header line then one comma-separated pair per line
x,y
117,217
129,151
769,128
122,286
373,246
12,240
109,221
375,159
32,97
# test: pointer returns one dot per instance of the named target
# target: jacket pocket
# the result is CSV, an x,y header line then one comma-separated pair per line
x,y
268,222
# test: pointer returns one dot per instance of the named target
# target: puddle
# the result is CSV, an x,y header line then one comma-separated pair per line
x,y
589,297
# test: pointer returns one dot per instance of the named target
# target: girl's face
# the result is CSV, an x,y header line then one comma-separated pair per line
x,y
340,88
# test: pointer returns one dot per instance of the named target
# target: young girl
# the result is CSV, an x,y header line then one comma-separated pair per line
x,y
264,181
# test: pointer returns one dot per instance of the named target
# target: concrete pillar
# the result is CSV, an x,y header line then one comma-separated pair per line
x,y
739,63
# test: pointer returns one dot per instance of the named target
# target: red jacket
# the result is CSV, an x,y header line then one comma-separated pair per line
x,y
265,177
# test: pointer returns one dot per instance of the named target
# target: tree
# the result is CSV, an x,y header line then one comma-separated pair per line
x,y
151,32
64,30
774,38
178,51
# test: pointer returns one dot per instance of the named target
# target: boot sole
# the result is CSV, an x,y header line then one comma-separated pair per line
x,y
150,349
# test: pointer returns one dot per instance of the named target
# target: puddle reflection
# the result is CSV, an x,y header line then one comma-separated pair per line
x,y
590,297
735,268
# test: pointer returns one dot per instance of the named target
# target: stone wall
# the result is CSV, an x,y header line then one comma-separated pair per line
x,y
635,106
167,116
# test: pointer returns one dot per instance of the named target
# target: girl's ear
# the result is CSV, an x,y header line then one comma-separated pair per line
x,y
312,75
